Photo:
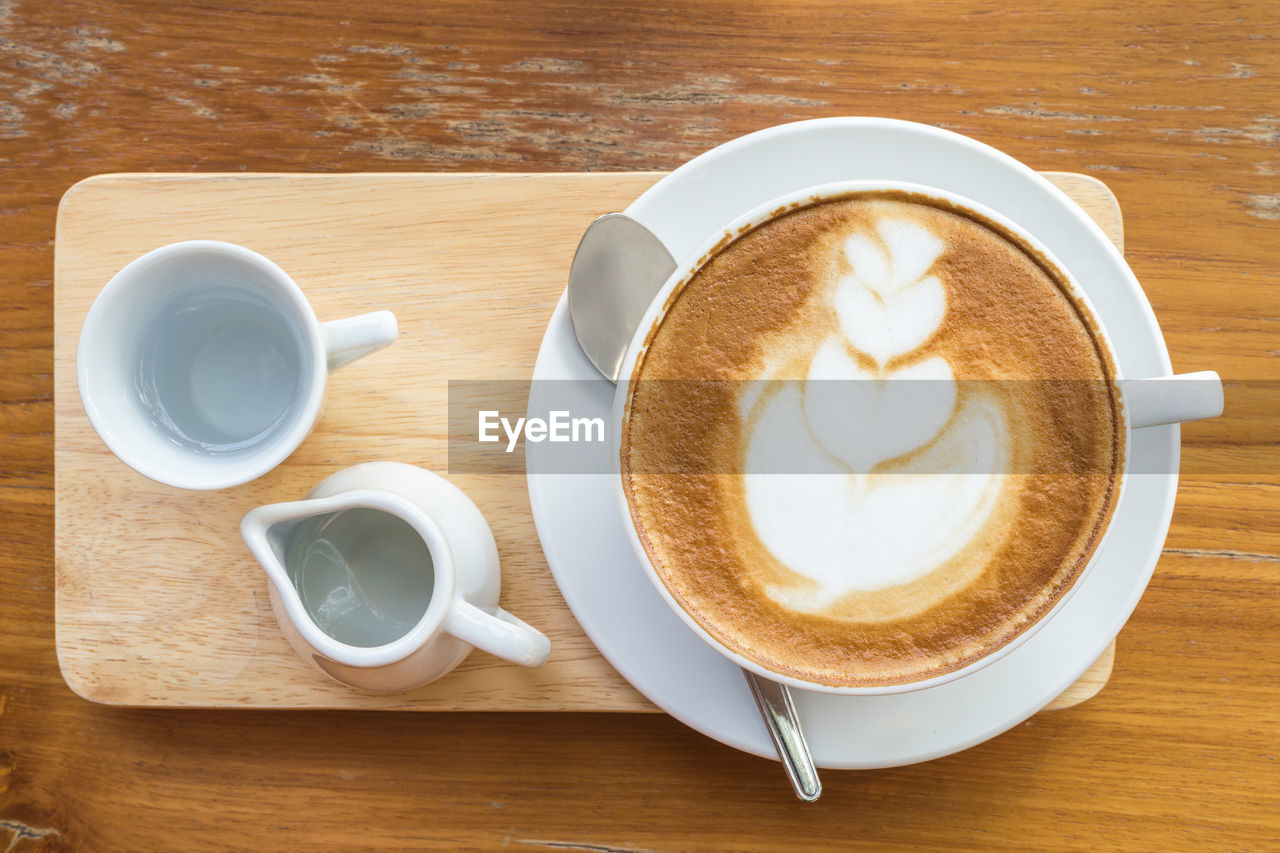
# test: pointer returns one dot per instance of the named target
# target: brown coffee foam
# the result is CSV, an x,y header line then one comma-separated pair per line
x,y
1009,316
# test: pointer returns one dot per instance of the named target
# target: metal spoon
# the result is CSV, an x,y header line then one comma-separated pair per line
x,y
617,271
619,267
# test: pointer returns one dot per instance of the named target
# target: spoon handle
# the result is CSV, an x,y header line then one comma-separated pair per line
x,y
779,712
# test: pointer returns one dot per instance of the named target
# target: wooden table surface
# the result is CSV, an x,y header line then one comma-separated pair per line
x,y
1175,105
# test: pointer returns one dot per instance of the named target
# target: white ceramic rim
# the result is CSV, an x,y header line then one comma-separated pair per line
x,y
745,223
428,627
277,449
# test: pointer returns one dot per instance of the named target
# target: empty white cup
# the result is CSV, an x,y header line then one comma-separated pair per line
x,y
202,365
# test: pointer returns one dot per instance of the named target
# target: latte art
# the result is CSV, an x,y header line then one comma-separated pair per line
x,y
842,507
889,305
854,529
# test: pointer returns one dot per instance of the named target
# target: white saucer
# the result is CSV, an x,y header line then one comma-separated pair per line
x,y
582,531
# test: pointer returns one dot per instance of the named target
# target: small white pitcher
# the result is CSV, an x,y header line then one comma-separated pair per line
x,y
463,608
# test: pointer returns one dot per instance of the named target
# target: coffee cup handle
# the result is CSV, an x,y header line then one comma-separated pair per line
x,y
355,337
498,633
1172,399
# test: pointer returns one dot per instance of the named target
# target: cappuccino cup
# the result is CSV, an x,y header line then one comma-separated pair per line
x,y
201,364
907,538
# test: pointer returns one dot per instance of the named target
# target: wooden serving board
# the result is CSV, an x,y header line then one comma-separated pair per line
x,y
158,600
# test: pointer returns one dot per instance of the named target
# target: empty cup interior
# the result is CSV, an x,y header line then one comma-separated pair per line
x,y
197,365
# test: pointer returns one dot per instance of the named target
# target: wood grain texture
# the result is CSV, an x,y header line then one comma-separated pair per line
x,y
158,600
1173,103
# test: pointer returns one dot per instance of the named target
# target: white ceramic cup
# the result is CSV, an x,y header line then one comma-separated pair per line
x,y
462,612
202,365
1146,402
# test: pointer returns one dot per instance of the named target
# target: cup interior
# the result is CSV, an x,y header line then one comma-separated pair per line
x,y
200,364
696,260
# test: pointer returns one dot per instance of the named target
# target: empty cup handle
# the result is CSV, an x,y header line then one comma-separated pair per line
x,y
1173,399
355,337
498,633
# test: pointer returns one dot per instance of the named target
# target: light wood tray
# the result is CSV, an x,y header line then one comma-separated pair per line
x,y
158,600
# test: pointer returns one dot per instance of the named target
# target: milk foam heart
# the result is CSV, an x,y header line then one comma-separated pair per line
x,y
857,532
888,306
864,417
849,528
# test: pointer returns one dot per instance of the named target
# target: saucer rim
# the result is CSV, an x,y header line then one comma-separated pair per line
x,y
1158,513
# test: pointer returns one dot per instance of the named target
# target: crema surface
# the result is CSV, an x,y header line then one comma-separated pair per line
x,y
871,441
